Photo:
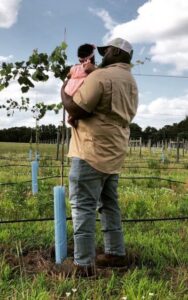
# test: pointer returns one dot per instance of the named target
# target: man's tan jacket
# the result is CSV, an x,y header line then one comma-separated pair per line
x,y
111,94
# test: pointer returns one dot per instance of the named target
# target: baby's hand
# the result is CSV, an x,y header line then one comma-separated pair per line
x,y
88,66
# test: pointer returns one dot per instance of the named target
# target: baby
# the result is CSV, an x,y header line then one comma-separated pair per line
x,y
79,72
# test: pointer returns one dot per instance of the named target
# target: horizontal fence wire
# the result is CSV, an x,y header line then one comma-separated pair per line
x,y
181,218
143,161
29,166
28,159
29,181
140,160
124,167
121,177
155,168
182,162
151,177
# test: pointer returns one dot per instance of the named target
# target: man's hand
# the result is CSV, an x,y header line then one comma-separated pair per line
x,y
72,122
75,111
65,83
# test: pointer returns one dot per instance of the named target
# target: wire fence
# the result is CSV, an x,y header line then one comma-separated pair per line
x,y
159,219
164,167
181,218
121,177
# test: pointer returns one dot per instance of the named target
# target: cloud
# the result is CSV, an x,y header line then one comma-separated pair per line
x,y
162,111
9,12
164,26
156,20
48,92
109,23
6,58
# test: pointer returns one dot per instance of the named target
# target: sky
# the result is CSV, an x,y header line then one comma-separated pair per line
x,y
157,29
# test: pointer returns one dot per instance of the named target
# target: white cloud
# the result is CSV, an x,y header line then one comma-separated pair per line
x,y
162,111
164,24
9,12
48,92
109,23
174,51
6,58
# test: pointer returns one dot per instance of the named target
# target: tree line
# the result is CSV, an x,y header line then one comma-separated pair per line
x,y
49,132
27,134
167,132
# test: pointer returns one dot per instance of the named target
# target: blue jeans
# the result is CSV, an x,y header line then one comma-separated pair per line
x,y
90,189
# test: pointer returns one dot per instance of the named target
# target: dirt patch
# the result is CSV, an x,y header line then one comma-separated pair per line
x,y
34,261
30,261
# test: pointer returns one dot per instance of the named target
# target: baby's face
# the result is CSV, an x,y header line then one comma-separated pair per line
x,y
84,60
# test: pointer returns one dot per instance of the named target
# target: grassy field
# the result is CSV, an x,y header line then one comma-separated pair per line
x,y
157,251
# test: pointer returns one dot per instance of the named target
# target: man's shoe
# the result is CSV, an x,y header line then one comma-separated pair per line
x,y
111,261
69,269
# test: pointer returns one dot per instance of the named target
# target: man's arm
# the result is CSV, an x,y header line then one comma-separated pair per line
x,y
71,107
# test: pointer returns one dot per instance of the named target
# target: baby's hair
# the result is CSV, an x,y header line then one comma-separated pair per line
x,y
86,50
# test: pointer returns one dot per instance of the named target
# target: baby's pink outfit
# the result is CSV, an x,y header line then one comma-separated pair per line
x,y
77,77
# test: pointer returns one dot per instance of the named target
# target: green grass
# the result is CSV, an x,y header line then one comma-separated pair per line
x,y
158,250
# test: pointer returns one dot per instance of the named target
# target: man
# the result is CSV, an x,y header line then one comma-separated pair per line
x,y
105,104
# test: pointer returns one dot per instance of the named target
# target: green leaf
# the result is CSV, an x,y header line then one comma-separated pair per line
x,y
64,46
25,89
19,65
2,86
